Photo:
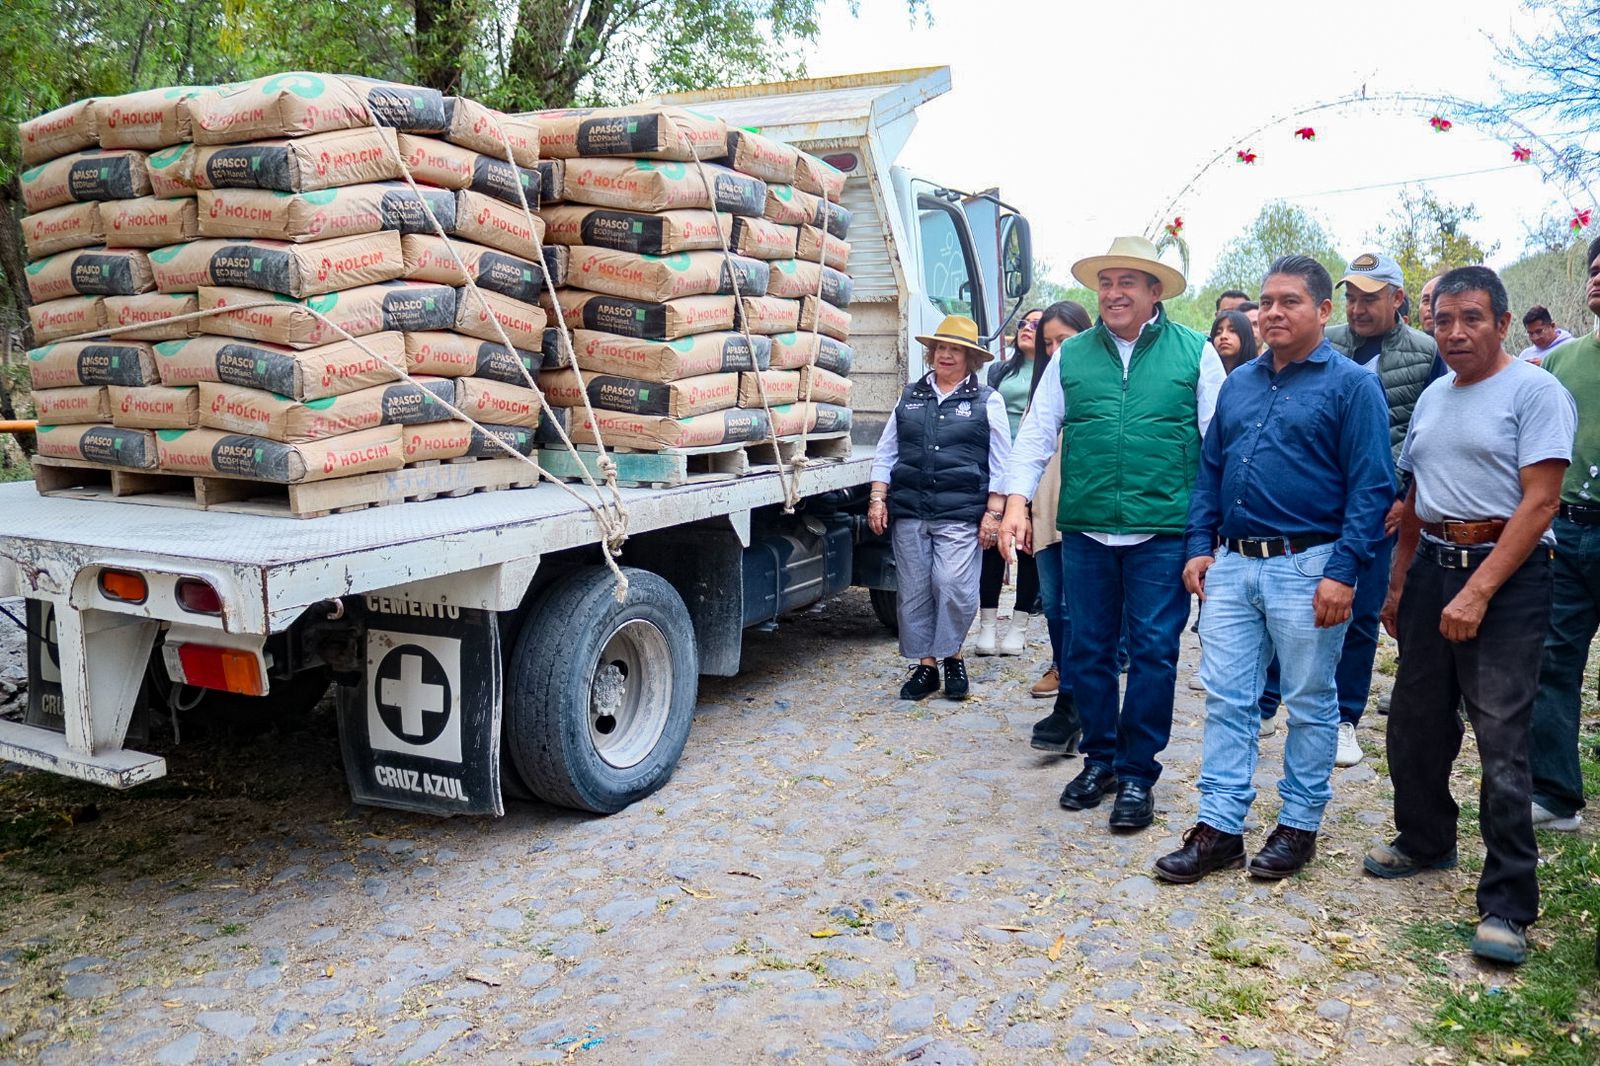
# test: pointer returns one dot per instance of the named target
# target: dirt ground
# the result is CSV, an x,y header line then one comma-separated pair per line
x,y
832,876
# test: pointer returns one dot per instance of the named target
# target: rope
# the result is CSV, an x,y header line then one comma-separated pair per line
x,y
816,332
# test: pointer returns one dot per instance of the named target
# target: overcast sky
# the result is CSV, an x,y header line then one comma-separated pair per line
x,y
1091,117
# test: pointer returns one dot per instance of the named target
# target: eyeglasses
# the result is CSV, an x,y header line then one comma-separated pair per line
x,y
1028,323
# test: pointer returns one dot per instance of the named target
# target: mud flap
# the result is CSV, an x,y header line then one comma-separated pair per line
x,y
421,731
44,668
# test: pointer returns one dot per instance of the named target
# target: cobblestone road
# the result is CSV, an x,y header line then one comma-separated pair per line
x,y
831,877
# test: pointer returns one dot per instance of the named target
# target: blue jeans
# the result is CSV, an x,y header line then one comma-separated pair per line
x,y
1558,709
1052,599
1254,607
1354,675
1144,583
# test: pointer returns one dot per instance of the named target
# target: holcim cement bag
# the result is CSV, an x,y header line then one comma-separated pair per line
x,y
824,318
172,171
659,278
449,166
405,107
81,403
644,131
662,233
761,157
832,251
320,161
432,259
149,221
305,269
211,451
644,431
818,177
497,402
557,258
90,272
456,440
266,414
155,407
796,207
131,448
760,238
822,386
324,213
637,318
61,228
677,399
328,370
454,355
815,418
552,180
150,310
795,279
477,311
830,418
483,129
648,360
790,351
782,386
642,185
285,105
485,220
769,315
55,366
96,175
67,129
394,305
184,267
66,317
150,119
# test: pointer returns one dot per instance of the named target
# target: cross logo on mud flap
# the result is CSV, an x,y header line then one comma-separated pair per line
x,y
414,694
50,659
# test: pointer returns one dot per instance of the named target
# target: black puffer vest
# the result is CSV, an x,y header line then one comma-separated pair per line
x,y
942,474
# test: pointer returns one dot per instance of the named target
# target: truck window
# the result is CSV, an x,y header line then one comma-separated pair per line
x,y
947,260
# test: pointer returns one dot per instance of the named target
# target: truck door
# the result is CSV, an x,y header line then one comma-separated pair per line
x,y
947,263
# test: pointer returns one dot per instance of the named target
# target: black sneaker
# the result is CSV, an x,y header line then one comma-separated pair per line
x,y
923,682
955,679
1062,730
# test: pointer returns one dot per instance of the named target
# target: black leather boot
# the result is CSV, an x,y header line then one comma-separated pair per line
x,y
1062,730
1204,849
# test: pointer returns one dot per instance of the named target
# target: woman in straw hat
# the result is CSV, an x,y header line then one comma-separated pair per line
x,y
931,480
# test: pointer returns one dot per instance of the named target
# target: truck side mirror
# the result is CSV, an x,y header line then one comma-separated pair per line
x,y
1016,256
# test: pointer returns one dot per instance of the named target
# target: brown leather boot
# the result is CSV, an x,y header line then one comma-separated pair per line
x,y
1204,849
1285,852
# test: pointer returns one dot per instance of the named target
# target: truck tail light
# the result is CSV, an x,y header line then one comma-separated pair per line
x,y
226,669
124,585
199,597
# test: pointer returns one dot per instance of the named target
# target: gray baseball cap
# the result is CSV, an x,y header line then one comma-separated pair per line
x,y
1370,272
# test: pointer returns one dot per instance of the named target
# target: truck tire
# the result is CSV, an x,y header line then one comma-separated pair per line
x,y
599,695
885,604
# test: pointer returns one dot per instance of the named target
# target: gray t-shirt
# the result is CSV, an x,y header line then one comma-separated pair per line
x,y
1467,445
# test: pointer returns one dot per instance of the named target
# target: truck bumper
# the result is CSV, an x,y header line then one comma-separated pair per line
x,y
45,749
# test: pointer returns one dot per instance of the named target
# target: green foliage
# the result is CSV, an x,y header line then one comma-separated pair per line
x,y
1555,278
1281,228
1427,236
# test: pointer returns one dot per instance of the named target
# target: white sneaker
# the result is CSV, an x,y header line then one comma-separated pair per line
x,y
1543,819
1269,725
1349,752
1016,639
986,637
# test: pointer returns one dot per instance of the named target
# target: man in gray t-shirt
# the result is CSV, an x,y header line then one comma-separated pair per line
x,y
1469,601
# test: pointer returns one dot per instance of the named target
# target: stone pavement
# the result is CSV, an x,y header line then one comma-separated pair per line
x,y
831,877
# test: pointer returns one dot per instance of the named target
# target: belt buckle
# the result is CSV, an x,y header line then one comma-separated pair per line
x,y
1465,559
1264,547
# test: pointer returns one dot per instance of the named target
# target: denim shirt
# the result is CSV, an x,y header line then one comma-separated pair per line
x,y
1295,454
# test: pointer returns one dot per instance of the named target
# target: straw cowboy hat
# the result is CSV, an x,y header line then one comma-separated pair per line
x,y
1129,253
963,333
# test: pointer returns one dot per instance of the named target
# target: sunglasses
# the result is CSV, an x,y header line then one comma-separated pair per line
x,y
1028,323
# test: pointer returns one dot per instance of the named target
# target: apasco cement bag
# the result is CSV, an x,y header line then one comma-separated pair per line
x,y
818,177
320,161
636,318
643,185
107,445
155,406
761,157
90,272
432,259
110,362
154,118
790,351
69,128
436,162
660,233
297,103
824,318
643,131
823,386
760,238
796,279
116,174
455,355
81,403
833,251
266,414
213,451
677,399
662,361
297,270
328,370
322,214
393,305
656,279
621,430
815,418
61,228
483,129
796,207
149,221
172,171
457,440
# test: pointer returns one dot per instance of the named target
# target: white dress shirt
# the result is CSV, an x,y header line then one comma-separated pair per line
x,y
999,436
1041,427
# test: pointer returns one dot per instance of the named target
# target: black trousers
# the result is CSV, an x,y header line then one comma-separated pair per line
x,y
994,572
1496,674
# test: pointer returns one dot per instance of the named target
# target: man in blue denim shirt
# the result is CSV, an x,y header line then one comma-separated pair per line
x,y
1295,479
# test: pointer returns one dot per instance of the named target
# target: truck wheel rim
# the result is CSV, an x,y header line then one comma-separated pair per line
x,y
630,696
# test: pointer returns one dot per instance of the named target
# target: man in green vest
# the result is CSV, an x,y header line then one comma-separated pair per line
x,y
1133,396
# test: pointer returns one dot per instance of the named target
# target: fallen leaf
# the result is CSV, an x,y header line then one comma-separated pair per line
x,y
1516,1050
823,934
1055,949
697,895
327,971
1010,928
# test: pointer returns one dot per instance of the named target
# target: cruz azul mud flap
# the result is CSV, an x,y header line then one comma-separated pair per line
x,y
44,667
421,732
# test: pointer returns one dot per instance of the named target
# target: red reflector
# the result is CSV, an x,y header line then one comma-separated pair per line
x,y
199,597
845,161
124,585
227,669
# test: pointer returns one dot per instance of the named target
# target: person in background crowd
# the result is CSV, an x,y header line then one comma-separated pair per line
x,y
935,479
1231,299
1425,312
1135,395
1543,335
1234,340
1469,601
1575,591
1013,379
1295,480
1252,311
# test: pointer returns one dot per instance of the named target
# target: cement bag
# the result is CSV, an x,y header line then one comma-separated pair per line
x,y
782,386
302,270
818,177
455,355
476,312
662,233
172,171
814,418
149,311
117,174
768,315
830,418
485,220
644,131
133,449
291,104
432,259
760,238
67,316
642,185
155,406
94,271
790,351
823,386
448,166
761,157
549,420
552,180
795,207
811,247
796,278
483,129
393,305
61,228
634,318
824,318
312,374
661,361
655,279
149,222
212,451
149,120
320,161
556,260
184,267
266,414
655,432
322,214
497,402
404,107
81,403
69,128
676,399
456,440
53,366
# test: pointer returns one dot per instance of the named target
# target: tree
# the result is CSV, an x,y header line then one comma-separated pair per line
x,y
1281,228
1561,62
1428,236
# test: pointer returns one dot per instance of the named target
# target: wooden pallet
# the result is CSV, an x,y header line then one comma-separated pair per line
x,y
827,447
671,467
72,479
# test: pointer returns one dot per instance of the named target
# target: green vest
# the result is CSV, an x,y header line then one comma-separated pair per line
x,y
1405,364
1132,442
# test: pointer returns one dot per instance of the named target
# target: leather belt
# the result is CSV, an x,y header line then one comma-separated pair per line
x,y
1581,514
1272,547
1483,531
1452,557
